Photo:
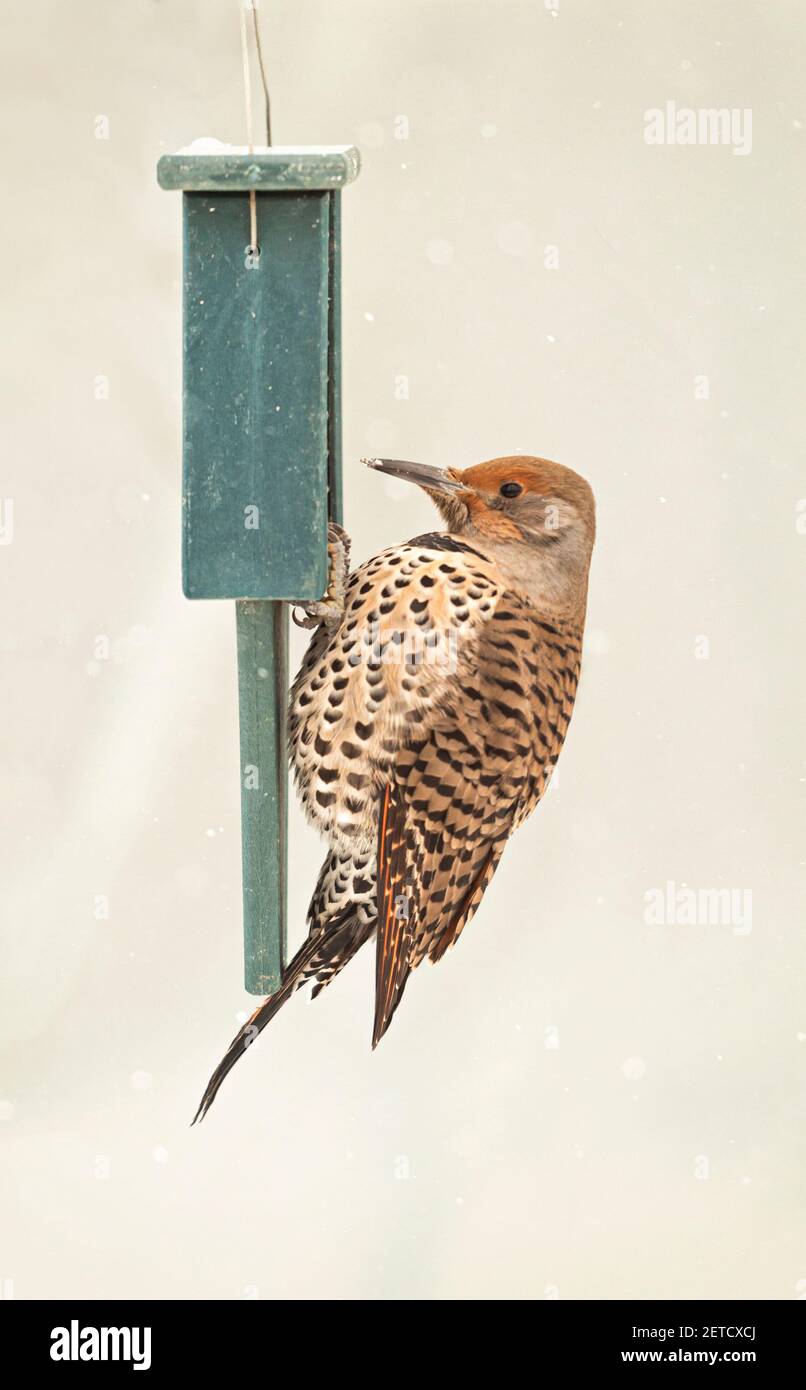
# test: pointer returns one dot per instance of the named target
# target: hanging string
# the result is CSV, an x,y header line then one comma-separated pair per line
x,y
263,82
252,248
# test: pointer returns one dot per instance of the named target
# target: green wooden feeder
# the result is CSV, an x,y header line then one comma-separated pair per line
x,y
261,450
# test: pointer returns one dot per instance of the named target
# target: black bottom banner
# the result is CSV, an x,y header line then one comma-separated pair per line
x,y
241,1339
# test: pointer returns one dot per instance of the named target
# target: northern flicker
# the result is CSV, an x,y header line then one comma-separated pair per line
x,y
428,714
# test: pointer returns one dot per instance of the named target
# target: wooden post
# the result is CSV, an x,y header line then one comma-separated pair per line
x,y
261,452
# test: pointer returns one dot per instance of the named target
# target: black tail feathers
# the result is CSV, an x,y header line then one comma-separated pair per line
x,y
326,951
294,975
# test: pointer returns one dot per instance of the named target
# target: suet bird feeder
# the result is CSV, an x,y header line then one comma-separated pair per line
x,y
261,450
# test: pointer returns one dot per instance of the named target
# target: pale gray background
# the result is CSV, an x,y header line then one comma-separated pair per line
x,y
465,1158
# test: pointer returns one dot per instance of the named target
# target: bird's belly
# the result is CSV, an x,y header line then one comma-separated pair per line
x,y
369,688
344,729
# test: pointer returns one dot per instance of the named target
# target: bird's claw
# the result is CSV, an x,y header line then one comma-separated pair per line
x,y
330,609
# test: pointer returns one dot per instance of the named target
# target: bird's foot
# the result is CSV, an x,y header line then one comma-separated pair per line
x,y
330,609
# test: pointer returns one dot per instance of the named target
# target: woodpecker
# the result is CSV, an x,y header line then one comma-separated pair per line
x,y
428,715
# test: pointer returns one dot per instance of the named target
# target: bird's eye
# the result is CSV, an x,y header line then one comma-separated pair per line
x,y
510,489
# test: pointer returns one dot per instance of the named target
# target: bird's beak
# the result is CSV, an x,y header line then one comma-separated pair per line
x,y
433,479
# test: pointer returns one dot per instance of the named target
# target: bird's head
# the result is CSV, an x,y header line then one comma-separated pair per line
x,y
537,517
